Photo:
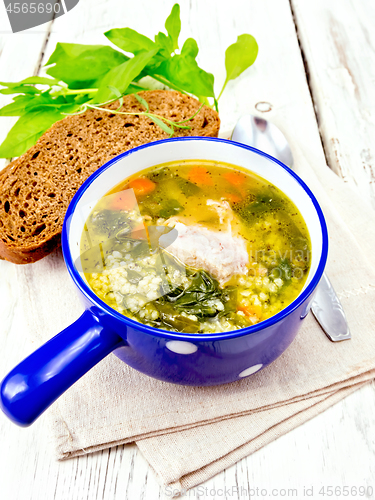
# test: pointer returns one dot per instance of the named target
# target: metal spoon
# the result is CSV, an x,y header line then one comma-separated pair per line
x,y
265,136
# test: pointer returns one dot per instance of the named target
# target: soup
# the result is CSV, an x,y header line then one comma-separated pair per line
x,y
196,247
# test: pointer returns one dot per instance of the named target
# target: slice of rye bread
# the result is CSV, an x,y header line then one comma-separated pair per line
x,y
37,187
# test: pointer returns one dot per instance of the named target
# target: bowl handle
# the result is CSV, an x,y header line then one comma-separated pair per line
x,y
33,385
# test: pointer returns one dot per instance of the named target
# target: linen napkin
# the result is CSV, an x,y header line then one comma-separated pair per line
x,y
189,434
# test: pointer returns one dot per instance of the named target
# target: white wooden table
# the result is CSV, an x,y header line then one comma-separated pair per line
x,y
316,69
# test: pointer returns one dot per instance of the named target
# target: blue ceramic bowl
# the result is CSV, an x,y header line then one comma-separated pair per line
x,y
190,359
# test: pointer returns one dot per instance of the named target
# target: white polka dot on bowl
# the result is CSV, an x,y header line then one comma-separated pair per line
x,y
250,370
180,347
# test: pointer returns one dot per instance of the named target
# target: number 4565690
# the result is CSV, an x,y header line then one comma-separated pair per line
x,y
345,491
33,8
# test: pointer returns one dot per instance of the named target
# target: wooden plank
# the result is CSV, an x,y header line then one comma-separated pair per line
x,y
20,57
312,454
338,40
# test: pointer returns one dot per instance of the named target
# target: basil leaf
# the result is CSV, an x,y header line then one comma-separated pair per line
x,y
97,73
133,88
46,99
20,89
17,107
173,26
182,70
129,40
27,131
239,56
121,76
165,43
78,64
33,80
190,48
24,103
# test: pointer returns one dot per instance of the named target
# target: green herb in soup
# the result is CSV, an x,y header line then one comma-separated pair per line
x,y
196,247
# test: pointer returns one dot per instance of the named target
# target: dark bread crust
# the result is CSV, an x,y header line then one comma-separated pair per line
x,y
36,189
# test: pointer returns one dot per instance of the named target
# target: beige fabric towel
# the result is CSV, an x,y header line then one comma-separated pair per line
x,y
189,434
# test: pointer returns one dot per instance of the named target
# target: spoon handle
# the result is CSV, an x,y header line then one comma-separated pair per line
x,y
328,311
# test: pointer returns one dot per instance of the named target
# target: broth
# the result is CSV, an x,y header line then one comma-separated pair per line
x,y
197,247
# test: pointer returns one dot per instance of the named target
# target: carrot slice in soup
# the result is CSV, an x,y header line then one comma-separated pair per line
x,y
232,198
251,310
200,176
122,201
142,186
139,232
235,178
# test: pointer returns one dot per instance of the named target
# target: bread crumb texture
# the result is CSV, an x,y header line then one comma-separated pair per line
x,y
36,188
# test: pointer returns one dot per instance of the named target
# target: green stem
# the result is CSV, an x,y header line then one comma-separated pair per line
x,y
222,90
188,119
216,105
171,122
142,113
80,91
169,84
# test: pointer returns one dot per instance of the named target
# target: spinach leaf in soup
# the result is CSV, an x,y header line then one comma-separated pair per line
x,y
254,207
177,322
283,270
203,298
109,222
170,207
188,188
159,175
133,276
139,250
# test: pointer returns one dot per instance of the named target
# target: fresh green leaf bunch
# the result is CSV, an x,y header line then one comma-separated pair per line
x,y
90,76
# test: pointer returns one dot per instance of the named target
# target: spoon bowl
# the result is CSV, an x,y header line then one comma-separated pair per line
x,y
265,136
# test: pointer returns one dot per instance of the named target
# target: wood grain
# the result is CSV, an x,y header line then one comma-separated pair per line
x,y
337,448
338,40
20,57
